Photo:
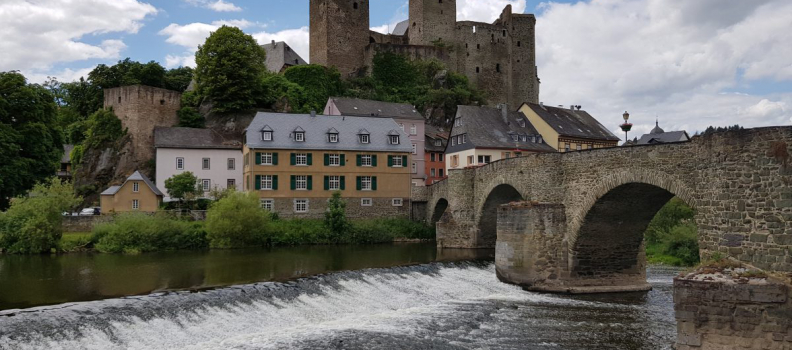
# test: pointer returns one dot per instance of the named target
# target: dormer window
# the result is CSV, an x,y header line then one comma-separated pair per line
x,y
266,133
539,139
299,136
521,122
364,138
333,138
438,143
394,139
523,138
458,122
514,137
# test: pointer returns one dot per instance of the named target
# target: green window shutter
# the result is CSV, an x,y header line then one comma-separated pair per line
x,y
343,183
310,182
258,182
390,161
274,182
293,159
373,183
258,158
404,161
293,182
374,160
327,159
327,183
274,159
359,160
343,160
359,184
310,158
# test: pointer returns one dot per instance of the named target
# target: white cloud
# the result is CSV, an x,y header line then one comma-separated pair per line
x,y
486,11
218,6
666,58
35,35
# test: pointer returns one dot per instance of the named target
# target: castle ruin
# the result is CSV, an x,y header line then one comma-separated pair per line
x,y
498,58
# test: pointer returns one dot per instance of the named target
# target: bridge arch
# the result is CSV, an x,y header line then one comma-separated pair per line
x,y
440,207
498,194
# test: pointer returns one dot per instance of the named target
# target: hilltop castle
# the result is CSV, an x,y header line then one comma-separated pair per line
x,y
498,58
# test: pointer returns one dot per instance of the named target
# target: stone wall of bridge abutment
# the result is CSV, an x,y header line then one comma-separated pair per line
x,y
738,182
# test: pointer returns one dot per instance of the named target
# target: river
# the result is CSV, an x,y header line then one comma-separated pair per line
x,y
355,298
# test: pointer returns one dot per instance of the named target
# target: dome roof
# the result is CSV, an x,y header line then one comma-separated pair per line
x,y
657,129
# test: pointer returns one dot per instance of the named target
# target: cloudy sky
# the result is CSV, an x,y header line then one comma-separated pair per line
x,y
691,63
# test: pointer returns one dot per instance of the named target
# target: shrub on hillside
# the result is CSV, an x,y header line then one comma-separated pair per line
x,y
237,221
133,233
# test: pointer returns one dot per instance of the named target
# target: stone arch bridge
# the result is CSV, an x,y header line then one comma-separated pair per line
x,y
578,221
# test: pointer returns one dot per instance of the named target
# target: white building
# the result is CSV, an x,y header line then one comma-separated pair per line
x,y
213,159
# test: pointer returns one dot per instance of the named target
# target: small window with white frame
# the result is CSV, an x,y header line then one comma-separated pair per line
x,y
394,139
365,183
300,205
135,204
401,125
231,164
266,136
334,160
135,187
301,159
266,182
458,122
267,204
397,161
205,164
438,143
397,202
301,182
299,136
414,168
334,182
414,149
180,163
413,129
332,137
366,202
206,185
364,138
365,160
266,159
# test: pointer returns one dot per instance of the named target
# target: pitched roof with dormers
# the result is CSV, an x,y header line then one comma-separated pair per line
x,y
371,108
317,128
572,123
485,127
136,176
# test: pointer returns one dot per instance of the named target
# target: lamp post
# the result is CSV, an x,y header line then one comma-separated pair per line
x,y
626,127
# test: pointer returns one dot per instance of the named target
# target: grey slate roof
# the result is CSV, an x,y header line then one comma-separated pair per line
x,y
369,108
567,122
66,158
193,138
665,137
485,128
136,176
401,27
280,54
316,129
433,134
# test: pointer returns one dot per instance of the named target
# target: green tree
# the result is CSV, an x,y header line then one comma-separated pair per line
x,y
33,223
31,143
229,68
178,79
318,82
190,118
336,221
182,186
103,127
237,221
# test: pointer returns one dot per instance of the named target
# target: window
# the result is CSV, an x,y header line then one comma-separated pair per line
x,y
566,148
454,161
453,141
398,202
441,172
179,163
464,138
413,130
231,164
414,149
432,157
301,182
414,168
458,122
206,184
299,136
507,155
366,202
135,203
441,156
484,159
578,147
333,138
335,183
497,67
266,136
438,143
334,160
364,138
471,160
205,164
478,70
515,138
135,187
266,182
301,159
401,125
394,139
398,162
432,172
365,183
267,204
365,160
231,183
300,205
355,5
539,139
523,138
266,158
521,122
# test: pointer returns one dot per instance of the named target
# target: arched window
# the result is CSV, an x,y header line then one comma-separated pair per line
x,y
355,5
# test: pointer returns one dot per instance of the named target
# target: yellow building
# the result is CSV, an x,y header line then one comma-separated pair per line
x,y
568,129
137,193
296,162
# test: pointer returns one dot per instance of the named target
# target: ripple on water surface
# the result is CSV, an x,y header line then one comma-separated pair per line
x,y
438,305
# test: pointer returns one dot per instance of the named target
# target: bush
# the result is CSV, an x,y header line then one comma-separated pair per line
x,y
103,127
237,221
672,236
189,118
318,82
297,232
386,230
336,222
33,223
133,233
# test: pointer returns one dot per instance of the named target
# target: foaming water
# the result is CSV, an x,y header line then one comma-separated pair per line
x,y
438,305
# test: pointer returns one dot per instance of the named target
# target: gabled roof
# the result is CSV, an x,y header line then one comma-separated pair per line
x,y
567,122
486,128
401,27
280,55
433,134
666,137
369,108
193,138
136,176
316,127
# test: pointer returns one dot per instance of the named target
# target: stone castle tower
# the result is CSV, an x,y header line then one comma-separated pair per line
x,y
499,58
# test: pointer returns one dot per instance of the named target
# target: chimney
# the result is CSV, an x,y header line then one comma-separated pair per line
x,y
504,108
273,42
313,113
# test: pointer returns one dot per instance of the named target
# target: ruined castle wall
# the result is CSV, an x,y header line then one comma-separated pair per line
x,y
483,56
141,109
379,38
412,52
432,21
524,75
339,33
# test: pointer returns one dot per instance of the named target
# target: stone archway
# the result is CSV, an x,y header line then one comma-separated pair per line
x,y
488,215
438,211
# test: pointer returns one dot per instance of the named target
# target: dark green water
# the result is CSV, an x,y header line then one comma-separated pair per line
x,y
29,281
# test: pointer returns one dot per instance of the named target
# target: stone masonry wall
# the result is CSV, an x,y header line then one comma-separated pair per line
x,y
381,208
339,34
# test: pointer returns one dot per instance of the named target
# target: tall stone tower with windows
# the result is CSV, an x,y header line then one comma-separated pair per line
x,y
432,21
339,33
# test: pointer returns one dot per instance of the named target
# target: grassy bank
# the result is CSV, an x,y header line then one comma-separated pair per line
x,y
672,236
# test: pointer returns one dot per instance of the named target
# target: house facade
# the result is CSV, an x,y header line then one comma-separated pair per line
x,y
406,117
568,129
482,135
215,160
137,193
295,162
434,154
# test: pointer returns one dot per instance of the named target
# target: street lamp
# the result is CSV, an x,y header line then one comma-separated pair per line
x,y
626,126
